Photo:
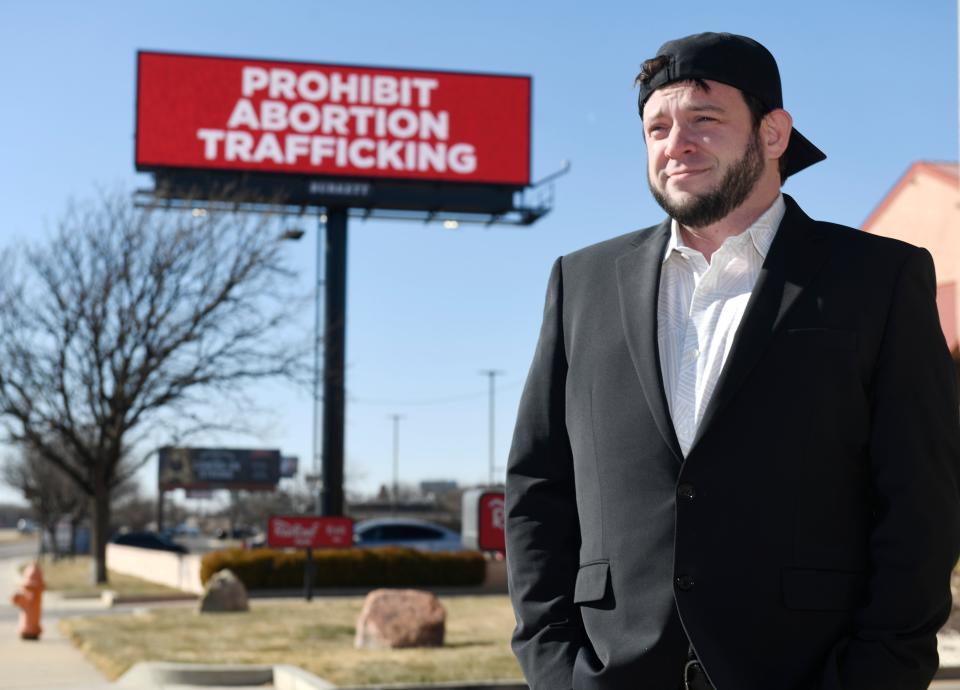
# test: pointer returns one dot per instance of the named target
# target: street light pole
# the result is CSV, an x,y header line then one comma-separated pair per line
x,y
317,371
396,461
492,375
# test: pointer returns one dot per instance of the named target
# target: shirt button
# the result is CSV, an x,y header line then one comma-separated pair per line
x,y
685,583
686,491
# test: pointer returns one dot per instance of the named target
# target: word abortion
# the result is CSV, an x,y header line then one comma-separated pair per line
x,y
364,122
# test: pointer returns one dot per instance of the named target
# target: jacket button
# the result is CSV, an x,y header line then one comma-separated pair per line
x,y
686,491
685,583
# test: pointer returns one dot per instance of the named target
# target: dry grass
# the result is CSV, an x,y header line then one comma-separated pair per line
x,y
316,636
8,536
71,577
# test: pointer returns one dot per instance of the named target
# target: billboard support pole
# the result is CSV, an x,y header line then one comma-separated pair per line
x,y
160,494
334,357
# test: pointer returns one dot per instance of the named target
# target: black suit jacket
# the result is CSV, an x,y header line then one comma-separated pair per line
x,y
807,539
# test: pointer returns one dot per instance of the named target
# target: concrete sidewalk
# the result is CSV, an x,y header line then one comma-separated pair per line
x,y
50,663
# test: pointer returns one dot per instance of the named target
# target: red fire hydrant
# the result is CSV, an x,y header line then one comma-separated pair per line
x,y
29,598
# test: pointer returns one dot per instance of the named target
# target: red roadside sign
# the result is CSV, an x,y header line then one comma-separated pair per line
x,y
491,536
309,531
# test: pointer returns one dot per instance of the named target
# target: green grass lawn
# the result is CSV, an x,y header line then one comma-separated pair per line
x,y
316,636
71,577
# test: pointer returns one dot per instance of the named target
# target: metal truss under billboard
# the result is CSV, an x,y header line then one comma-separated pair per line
x,y
251,115
218,468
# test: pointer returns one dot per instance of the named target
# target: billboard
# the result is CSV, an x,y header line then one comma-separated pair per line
x,y
250,115
218,468
309,531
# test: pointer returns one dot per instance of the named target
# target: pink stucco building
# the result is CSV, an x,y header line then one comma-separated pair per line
x,y
923,208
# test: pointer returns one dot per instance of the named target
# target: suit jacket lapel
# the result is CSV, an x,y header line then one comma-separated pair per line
x,y
638,281
791,264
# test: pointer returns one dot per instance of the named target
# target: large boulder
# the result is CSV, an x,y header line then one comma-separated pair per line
x,y
393,618
224,592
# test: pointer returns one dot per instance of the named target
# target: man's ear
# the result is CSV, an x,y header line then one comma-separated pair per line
x,y
775,132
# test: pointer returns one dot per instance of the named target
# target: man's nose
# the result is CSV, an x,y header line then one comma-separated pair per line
x,y
678,142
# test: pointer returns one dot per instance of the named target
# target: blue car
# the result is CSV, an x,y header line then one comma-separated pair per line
x,y
414,534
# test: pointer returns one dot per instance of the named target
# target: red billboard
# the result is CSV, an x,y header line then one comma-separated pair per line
x,y
309,531
235,114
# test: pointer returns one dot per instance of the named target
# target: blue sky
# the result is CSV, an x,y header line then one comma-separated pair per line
x,y
872,83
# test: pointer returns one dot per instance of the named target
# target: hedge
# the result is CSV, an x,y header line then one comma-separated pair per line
x,y
387,566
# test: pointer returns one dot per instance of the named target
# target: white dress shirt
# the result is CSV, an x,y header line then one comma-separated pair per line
x,y
699,307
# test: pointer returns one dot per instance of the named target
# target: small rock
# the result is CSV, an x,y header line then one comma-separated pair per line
x,y
393,618
224,592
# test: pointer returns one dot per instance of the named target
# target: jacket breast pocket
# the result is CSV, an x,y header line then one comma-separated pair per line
x,y
826,338
822,590
592,582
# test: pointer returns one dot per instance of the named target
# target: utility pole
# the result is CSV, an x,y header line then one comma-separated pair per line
x,y
492,374
396,461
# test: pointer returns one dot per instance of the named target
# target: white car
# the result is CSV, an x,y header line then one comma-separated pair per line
x,y
414,534
26,526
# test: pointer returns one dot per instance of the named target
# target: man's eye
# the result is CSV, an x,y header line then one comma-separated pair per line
x,y
706,118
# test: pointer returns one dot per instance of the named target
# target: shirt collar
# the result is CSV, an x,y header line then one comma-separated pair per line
x,y
762,232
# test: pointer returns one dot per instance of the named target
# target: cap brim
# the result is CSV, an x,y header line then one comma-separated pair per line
x,y
801,153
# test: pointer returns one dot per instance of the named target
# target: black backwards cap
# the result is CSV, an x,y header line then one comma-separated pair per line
x,y
737,61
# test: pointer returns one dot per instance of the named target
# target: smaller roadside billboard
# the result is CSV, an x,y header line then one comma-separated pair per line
x,y
309,532
218,468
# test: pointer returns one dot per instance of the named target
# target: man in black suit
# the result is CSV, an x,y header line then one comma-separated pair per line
x,y
736,455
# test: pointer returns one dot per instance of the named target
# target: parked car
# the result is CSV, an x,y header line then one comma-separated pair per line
x,y
148,540
415,534
236,533
26,526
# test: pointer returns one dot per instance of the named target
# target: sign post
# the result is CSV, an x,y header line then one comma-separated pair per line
x,y
308,576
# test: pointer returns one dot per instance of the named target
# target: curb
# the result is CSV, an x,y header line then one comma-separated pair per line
x,y
287,677
156,675
109,598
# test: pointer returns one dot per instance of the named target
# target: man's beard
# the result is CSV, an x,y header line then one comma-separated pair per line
x,y
716,204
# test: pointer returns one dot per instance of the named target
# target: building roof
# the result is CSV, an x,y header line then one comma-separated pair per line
x,y
945,171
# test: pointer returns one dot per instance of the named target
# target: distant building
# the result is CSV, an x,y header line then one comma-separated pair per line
x,y
923,208
437,487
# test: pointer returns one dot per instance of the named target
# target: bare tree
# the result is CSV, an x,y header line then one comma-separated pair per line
x,y
51,494
128,320
132,510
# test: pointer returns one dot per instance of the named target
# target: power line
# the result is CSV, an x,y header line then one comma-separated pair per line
x,y
428,401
